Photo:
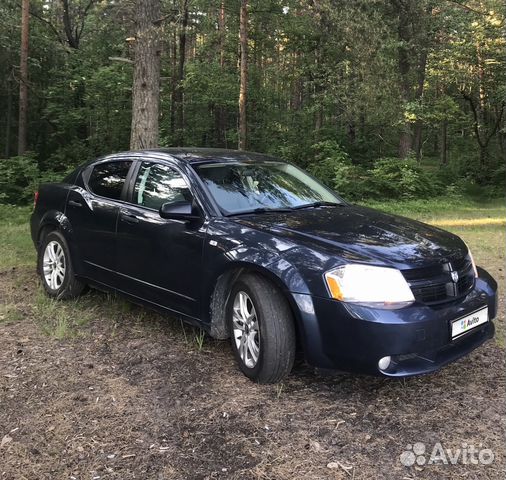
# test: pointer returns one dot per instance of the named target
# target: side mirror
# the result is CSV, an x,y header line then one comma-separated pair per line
x,y
179,211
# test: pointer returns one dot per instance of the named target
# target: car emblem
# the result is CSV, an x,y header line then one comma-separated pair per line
x,y
455,276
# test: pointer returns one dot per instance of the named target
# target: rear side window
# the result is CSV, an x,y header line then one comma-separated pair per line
x,y
107,179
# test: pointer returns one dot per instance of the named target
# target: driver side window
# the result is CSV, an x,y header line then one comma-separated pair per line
x,y
157,184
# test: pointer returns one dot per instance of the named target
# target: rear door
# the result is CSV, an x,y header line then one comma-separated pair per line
x,y
93,208
160,260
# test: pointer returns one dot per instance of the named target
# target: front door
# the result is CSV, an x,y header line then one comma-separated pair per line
x,y
157,259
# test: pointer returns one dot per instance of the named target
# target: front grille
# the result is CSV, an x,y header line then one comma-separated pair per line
x,y
434,284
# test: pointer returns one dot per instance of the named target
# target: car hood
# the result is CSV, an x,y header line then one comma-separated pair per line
x,y
362,234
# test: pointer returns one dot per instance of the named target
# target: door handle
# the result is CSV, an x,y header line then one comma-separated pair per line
x,y
75,204
129,218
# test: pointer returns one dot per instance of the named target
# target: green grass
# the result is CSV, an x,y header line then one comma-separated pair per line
x,y
16,247
62,319
10,313
443,208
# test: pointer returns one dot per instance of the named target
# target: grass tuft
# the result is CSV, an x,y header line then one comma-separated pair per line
x,y
10,313
199,338
61,319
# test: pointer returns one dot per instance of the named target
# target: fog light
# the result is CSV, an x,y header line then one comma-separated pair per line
x,y
384,363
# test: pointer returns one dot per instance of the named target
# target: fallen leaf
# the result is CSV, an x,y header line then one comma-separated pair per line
x,y
5,440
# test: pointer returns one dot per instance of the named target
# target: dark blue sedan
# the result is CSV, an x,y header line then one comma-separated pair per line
x,y
252,248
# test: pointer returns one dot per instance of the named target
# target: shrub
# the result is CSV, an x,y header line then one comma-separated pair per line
x,y
389,178
68,156
18,179
395,178
334,168
329,157
351,181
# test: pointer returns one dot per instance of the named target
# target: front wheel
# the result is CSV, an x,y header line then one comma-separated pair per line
x,y
262,329
55,268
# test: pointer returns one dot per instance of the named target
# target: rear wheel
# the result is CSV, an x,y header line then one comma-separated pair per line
x,y
55,267
262,329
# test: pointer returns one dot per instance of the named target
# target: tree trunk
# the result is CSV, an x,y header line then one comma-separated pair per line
x,y
405,143
483,155
179,92
173,104
23,77
220,113
146,79
406,137
444,143
243,90
414,43
296,100
417,137
222,32
417,140
351,132
8,120
502,144
72,40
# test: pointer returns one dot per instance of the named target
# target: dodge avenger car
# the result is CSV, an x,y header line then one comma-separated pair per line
x,y
252,248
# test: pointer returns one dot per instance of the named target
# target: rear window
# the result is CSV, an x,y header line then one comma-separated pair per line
x,y
107,179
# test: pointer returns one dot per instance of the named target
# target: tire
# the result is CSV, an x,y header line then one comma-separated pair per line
x,y
271,337
53,250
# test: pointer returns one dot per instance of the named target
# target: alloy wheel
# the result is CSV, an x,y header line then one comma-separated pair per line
x,y
245,329
53,265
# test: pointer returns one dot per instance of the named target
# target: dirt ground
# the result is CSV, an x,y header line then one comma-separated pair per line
x,y
128,394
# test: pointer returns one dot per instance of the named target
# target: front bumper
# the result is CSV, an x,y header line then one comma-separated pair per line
x,y
352,338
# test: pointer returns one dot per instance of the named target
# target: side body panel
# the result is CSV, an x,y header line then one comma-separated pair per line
x,y
49,211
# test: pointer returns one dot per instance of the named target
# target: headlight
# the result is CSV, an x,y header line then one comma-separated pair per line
x,y
368,284
475,270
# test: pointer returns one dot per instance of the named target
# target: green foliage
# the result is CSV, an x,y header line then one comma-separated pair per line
x,y
390,178
328,157
334,168
387,178
395,178
352,181
18,179
446,206
325,90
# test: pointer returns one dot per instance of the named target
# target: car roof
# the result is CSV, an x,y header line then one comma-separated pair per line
x,y
194,155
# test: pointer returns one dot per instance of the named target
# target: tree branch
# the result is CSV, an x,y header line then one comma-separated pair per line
x,y
121,59
83,18
497,123
49,24
466,7
476,125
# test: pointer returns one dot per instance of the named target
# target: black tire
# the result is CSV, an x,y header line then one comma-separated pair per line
x,y
277,343
70,286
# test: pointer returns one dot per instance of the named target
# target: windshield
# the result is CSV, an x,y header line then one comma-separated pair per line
x,y
245,187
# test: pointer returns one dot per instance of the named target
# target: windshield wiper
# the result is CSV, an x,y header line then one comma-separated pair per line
x,y
318,204
260,210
